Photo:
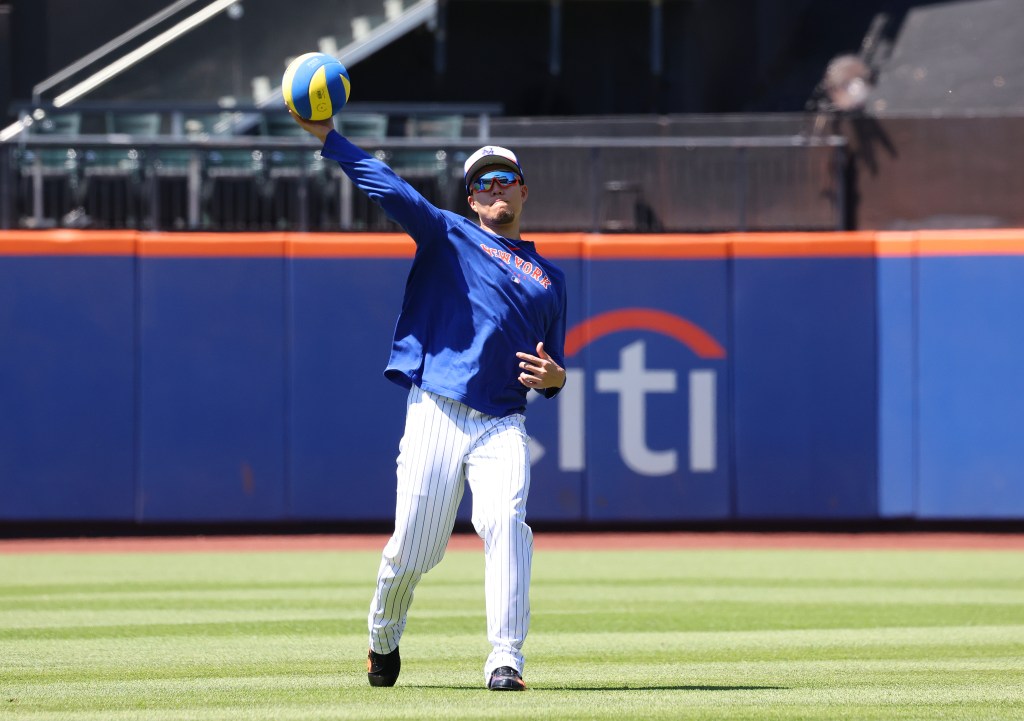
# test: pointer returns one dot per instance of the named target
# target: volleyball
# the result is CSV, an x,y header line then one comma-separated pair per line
x,y
315,86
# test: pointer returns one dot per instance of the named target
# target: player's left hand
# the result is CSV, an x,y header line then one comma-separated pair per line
x,y
540,371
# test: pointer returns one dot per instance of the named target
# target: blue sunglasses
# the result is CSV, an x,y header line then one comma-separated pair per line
x,y
504,178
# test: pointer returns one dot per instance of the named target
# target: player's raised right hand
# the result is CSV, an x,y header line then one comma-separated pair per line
x,y
318,128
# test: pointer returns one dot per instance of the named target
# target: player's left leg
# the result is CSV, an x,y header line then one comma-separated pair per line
x,y
498,472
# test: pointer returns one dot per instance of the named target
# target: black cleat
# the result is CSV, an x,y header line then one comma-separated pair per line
x,y
506,678
382,668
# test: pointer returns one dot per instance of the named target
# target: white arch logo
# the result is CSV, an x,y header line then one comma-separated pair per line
x,y
633,381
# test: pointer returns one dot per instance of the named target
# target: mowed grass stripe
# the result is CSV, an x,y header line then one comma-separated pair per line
x,y
680,691
663,590
895,646
680,634
931,686
720,616
898,648
337,569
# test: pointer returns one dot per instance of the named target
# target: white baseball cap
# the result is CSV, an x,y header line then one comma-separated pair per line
x,y
491,155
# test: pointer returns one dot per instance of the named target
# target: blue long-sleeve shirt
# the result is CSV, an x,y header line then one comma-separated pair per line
x,y
472,300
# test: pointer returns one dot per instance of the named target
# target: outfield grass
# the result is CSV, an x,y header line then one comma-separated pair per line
x,y
626,635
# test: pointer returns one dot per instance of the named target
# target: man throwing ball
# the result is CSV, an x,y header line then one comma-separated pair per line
x,y
482,323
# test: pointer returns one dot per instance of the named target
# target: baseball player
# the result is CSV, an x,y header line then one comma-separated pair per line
x,y
482,323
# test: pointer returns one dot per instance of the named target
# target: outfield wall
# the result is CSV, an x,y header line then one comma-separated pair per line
x,y
223,378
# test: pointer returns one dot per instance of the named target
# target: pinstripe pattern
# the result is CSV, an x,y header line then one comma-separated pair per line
x,y
445,444
498,471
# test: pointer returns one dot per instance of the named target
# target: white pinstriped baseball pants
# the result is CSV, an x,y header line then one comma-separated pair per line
x,y
445,444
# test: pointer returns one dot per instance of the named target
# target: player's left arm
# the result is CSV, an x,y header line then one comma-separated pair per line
x,y
544,372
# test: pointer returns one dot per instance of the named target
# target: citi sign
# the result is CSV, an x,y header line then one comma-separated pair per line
x,y
633,381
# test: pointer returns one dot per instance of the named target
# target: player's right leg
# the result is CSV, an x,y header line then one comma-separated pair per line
x,y
430,486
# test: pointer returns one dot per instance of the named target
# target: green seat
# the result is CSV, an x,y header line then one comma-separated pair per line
x,y
418,162
362,126
145,125
435,126
234,162
112,161
172,162
54,160
49,161
57,168
209,124
288,162
57,124
122,161
281,125
427,161
283,163
432,161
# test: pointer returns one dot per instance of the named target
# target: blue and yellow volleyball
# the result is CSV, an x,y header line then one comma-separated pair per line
x,y
315,86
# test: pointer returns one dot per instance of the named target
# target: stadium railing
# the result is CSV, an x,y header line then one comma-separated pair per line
x,y
241,170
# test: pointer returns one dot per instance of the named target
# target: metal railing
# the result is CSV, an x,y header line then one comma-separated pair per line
x,y
253,183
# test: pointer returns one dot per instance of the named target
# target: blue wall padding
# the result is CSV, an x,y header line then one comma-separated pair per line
x,y
664,487
163,382
556,494
346,418
212,404
897,387
971,387
804,381
67,389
